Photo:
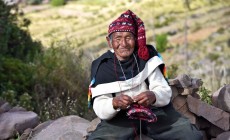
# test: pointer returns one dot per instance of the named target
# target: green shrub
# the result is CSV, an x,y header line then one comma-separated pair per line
x,y
17,53
161,42
34,2
57,2
165,22
213,56
15,40
205,95
15,75
172,71
9,96
25,100
61,83
221,30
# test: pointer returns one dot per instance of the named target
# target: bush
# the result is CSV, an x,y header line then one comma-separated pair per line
x,y
15,75
52,82
161,42
15,40
17,53
9,96
172,71
61,83
205,95
213,56
57,2
34,2
25,100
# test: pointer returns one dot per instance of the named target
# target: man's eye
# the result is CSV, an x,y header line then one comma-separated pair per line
x,y
117,39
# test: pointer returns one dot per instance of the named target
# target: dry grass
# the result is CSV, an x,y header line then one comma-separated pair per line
x,y
86,23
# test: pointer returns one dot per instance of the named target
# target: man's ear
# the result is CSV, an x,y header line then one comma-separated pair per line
x,y
108,42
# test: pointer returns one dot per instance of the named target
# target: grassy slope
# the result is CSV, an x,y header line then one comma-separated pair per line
x,y
85,23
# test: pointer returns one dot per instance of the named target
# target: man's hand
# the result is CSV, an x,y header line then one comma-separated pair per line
x,y
122,101
145,98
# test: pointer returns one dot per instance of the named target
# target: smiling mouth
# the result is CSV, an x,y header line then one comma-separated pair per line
x,y
124,49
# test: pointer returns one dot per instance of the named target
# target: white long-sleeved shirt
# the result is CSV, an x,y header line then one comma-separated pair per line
x,y
103,105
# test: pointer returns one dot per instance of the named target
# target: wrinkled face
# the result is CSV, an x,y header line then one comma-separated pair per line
x,y
123,44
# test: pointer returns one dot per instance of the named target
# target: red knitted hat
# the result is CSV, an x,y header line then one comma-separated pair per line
x,y
129,22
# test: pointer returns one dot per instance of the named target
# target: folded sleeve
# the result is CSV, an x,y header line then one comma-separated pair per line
x,y
160,87
103,107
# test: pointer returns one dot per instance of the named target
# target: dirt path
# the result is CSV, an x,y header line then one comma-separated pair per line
x,y
196,36
207,27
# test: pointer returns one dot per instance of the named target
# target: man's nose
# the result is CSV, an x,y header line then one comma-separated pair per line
x,y
123,42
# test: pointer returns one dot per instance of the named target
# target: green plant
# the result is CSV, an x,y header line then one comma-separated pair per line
x,y
213,56
34,2
15,40
165,21
205,95
15,75
9,96
161,42
57,2
221,30
172,71
17,53
25,100
61,82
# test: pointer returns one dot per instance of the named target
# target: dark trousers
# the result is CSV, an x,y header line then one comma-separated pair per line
x,y
170,126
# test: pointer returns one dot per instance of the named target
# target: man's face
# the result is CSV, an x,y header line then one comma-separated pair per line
x,y
123,44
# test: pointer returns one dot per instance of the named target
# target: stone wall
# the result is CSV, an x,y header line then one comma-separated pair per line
x,y
212,120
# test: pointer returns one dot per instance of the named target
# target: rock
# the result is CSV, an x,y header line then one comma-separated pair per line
x,y
174,82
93,125
42,126
221,98
214,97
204,135
12,122
5,107
223,101
181,81
224,136
174,92
192,118
172,32
143,137
17,108
65,128
195,95
214,131
185,80
189,91
196,83
25,135
219,48
214,115
28,132
2,102
203,123
179,102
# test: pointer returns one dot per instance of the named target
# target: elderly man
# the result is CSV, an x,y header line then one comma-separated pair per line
x,y
129,90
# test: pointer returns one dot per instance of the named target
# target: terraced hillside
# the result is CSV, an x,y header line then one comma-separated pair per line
x,y
84,23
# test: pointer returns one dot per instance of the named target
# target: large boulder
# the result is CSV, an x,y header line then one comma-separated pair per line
x,y
16,122
65,128
221,98
4,106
